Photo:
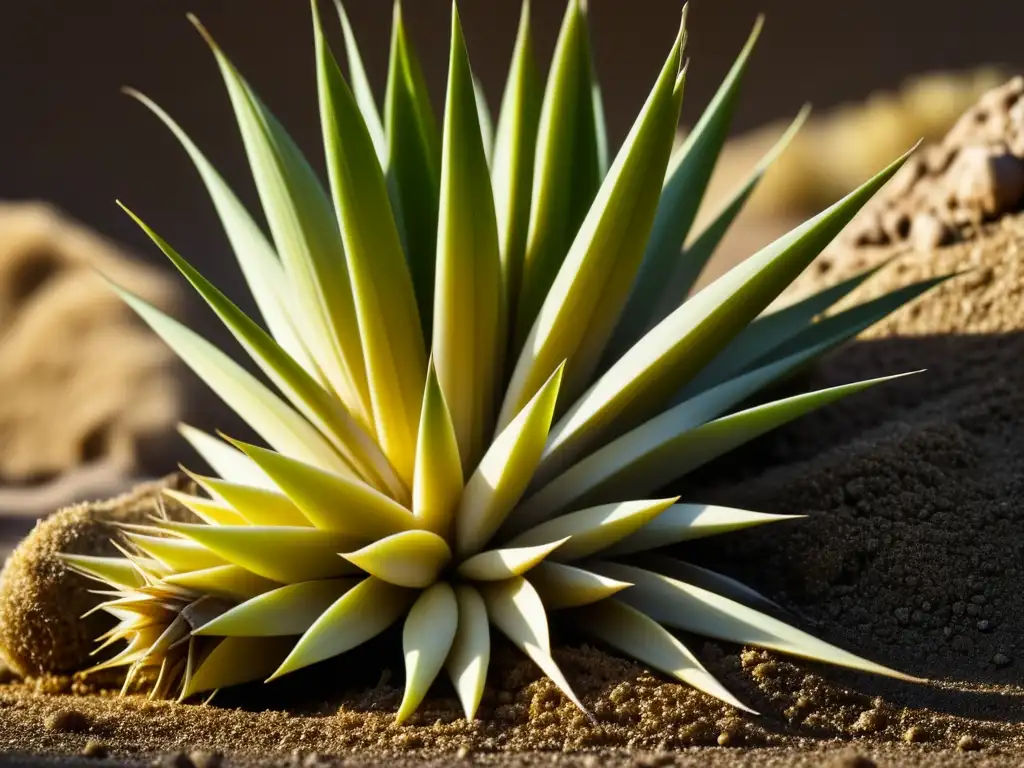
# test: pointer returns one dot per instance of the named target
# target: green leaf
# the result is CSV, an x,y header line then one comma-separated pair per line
x,y
666,448
414,164
260,265
307,239
693,609
330,501
769,331
505,471
271,418
687,179
567,174
438,481
359,452
646,377
361,88
385,304
177,554
483,113
514,150
468,306
644,312
636,634
427,639
591,287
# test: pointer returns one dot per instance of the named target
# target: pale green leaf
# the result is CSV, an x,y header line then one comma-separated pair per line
x,y
360,454
407,559
590,289
111,570
483,113
385,304
593,530
693,609
360,614
427,639
414,164
290,610
260,264
566,173
307,239
258,506
177,554
468,306
361,88
505,471
208,510
507,562
666,448
269,416
330,501
470,654
515,608
512,165
438,481
226,460
719,583
277,552
685,183
236,660
228,581
635,634
565,586
683,522
643,311
674,351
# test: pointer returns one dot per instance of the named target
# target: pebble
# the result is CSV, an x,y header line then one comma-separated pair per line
x,y
96,749
915,734
968,743
175,760
928,232
1001,660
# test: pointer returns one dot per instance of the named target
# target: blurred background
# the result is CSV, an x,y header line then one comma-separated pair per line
x,y
879,74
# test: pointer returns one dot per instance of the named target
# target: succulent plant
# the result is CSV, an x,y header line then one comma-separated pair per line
x,y
486,364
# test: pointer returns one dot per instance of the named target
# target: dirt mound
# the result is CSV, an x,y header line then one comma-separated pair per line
x,y
975,174
87,390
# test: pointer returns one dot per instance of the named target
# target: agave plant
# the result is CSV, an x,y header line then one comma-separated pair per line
x,y
486,363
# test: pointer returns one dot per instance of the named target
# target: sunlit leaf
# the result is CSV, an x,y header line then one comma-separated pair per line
x,y
286,611
427,638
470,653
643,380
501,564
565,586
407,559
438,481
385,304
414,163
361,88
468,303
592,283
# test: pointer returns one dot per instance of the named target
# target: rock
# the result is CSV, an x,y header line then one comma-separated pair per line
x,y
968,743
929,232
91,396
42,601
989,183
